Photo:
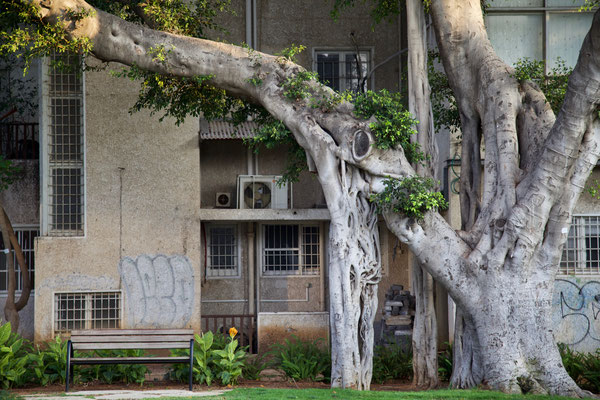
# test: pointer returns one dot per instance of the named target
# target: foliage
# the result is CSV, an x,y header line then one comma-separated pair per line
x,y
302,360
215,357
49,365
412,197
230,360
253,366
6,395
443,103
13,357
9,173
391,362
394,124
445,363
584,368
553,84
289,53
295,88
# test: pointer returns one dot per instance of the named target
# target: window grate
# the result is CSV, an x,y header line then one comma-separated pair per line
x,y
25,237
581,254
94,310
340,69
291,250
222,251
65,148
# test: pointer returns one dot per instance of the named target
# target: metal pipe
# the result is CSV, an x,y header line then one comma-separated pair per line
x,y
224,301
251,267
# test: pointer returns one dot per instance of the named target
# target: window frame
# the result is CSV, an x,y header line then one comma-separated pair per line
x,y
238,250
47,166
22,228
580,251
300,271
369,50
88,312
545,11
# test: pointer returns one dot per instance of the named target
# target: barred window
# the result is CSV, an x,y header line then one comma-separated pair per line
x,y
291,250
581,254
64,147
93,310
223,251
343,70
25,237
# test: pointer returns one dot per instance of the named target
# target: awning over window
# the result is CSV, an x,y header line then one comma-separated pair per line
x,y
216,130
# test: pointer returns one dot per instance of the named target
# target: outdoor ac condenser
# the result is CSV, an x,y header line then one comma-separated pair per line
x,y
261,191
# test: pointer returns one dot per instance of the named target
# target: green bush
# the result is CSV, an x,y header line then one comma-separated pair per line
x,y
391,362
49,365
445,363
303,360
215,357
253,366
584,368
14,355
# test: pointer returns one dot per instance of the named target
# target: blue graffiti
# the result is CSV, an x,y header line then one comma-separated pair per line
x,y
576,311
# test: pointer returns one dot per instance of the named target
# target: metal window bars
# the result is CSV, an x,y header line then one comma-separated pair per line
x,y
340,69
25,237
223,260
581,254
65,147
92,310
291,250
19,140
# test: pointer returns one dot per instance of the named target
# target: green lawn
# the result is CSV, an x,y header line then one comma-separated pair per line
x,y
317,394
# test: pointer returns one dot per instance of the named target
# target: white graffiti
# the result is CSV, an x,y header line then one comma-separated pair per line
x,y
159,291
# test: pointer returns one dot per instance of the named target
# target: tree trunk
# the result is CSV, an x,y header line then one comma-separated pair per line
x,y
12,307
424,334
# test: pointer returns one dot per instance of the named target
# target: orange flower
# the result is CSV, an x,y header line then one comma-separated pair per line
x,y
232,332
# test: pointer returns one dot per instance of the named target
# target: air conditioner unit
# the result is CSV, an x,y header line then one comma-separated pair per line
x,y
223,200
261,191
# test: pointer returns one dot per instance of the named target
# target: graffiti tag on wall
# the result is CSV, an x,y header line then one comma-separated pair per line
x,y
576,311
159,290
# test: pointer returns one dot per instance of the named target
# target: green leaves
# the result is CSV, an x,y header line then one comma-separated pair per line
x,y
13,357
412,197
394,125
302,360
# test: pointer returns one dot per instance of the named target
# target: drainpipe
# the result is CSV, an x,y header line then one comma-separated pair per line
x,y
322,269
251,267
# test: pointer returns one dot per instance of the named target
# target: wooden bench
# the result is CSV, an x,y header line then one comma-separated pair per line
x,y
120,339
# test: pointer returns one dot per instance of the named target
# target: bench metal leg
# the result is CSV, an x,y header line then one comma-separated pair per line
x,y
68,371
191,362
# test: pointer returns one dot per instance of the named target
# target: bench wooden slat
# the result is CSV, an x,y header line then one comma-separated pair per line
x,y
108,332
133,345
131,338
141,360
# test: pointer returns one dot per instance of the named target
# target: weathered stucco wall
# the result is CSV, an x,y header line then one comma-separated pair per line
x,y
276,327
142,198
21,200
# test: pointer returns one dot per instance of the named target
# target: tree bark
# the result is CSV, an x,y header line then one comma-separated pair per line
x,y
424,335
12,307
501,270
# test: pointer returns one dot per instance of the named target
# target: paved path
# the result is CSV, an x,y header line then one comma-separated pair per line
x,y
125,394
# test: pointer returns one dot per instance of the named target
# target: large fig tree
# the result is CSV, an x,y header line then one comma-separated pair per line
x,y
500,269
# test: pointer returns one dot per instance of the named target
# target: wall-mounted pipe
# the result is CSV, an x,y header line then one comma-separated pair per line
x,y
224,301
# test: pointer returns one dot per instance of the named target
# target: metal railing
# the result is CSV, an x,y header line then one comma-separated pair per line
x,y
19,140
244,323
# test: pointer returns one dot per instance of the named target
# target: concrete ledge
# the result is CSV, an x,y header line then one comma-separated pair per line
x,y
294,214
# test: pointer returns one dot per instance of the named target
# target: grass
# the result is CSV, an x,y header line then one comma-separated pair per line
x,y
318,394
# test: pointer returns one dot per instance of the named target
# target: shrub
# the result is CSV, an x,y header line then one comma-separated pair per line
x,y
215,357
391,362
584,368
253,366
13,357
49,365
303,360
445,363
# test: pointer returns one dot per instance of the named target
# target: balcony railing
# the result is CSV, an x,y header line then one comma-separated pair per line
x,y
244,323
19,140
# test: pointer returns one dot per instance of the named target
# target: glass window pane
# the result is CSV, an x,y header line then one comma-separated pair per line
x,y
516,3
503,29
566,32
